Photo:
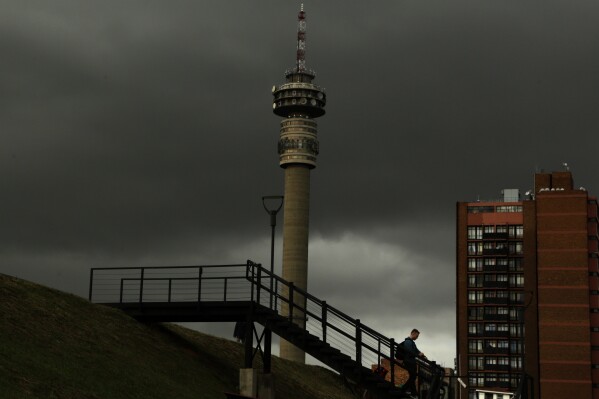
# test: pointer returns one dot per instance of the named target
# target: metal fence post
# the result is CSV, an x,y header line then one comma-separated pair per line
x,y
141,285
91,283
324,321
121,293
200,270
291,302
258,285
392,360
358,342
251,281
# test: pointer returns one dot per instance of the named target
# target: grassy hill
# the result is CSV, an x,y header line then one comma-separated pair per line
x,y
57,345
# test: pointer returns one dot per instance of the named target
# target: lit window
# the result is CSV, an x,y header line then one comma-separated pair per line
x,y
489,229
475,232
475,264
509,208
517,280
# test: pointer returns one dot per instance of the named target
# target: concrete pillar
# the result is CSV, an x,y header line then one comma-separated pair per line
x,y
266,386
248,382
255,384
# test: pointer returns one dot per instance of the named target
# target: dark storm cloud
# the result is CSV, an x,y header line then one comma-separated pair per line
x,y
141,132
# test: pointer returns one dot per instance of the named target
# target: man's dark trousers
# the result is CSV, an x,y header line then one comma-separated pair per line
x,y
410,384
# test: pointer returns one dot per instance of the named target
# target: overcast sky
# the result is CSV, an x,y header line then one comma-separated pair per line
x,y
142,133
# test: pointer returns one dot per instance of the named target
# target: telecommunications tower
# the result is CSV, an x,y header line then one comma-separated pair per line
x,y
299,102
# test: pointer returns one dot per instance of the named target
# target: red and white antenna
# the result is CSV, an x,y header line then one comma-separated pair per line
x,y
301,40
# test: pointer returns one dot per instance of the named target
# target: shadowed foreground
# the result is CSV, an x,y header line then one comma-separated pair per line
x,y
56,345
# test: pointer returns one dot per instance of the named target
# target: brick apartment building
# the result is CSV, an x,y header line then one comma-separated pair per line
x,y
528,291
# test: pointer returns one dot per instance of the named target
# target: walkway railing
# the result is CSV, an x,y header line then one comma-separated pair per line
x,y
252,282
170,284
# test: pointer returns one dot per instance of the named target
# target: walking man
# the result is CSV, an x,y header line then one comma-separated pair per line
x,y
411,352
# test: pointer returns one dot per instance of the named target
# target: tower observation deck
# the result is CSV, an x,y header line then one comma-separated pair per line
x,y
298,101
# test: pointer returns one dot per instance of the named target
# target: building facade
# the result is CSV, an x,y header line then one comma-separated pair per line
x,y
528,291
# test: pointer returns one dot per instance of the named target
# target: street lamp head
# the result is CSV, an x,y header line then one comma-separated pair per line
x,y
275,203
272,203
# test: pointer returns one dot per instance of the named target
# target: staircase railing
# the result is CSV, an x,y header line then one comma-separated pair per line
x,y
363,344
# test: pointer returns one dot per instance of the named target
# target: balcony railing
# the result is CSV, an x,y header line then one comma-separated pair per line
x,y
495,251
495,236
495,268
489,350
495,284
491,300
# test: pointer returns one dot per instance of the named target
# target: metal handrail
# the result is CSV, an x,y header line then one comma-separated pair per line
x,y
116,285
385,346
364,344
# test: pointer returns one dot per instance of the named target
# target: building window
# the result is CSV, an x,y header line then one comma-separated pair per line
x,y
475,346
501,228
516,363
474,329
475,264
516,231
476,379
516,296
481,209
517,280
515,314
490,313
494,279
489,261
509,208
516,264
515,248
475,248
514,382
475,313
475,281
516,330
496,294
475,296
475,232
476,363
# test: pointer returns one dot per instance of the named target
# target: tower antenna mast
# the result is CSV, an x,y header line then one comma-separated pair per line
x,y
301,40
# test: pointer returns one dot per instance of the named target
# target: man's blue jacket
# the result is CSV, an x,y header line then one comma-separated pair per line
x,y
411,351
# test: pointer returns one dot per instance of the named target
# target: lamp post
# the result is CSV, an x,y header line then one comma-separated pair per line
x,y
275,202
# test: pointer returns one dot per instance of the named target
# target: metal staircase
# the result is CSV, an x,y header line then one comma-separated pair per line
x,y
249,292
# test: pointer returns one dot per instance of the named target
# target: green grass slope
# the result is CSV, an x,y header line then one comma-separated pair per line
x,y
56,345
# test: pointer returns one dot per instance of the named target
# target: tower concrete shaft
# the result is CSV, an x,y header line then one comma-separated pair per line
x,y
298,101
295,246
